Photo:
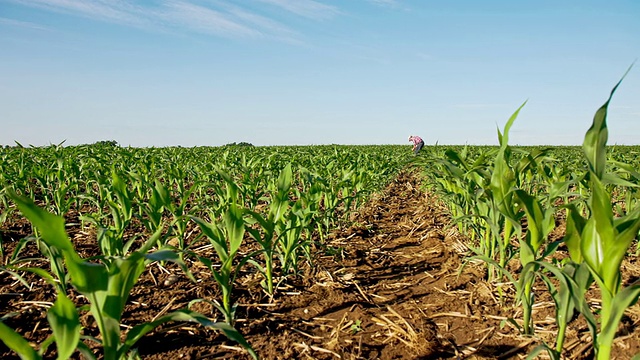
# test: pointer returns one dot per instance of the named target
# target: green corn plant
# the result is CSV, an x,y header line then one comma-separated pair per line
x,y
162,199
64,186
467,181
540,222
271,227
330,197
348,188
503,181
497,206
107,287
253,179
57,277
354,183
5,211
297,240
309,194
180,209
574,280
280,207
629,177
225,237
116,197
120,205
603,238
152,210
292,245
65,325
229,193
360,180
572,274
265,236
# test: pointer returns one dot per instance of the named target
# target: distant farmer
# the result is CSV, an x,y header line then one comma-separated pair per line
x,y
418,143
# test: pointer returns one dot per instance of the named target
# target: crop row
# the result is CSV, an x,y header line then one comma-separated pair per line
x,y
510,201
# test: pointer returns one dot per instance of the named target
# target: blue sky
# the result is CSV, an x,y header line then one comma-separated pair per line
x,y
299,72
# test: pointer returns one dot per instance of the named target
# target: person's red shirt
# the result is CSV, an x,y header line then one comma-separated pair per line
x,y
416,139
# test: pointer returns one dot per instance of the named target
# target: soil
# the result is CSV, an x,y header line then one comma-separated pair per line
x,y
389,286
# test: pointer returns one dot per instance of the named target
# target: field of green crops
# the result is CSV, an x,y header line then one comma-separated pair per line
x,y
269,209
165,205
511,200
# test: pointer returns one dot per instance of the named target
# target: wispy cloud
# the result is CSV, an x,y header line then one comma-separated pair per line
x,y
213,17
205,20
111,11
307,8
22,24
268,26
387,3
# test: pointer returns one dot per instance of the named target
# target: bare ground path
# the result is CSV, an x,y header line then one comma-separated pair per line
x,y
392,290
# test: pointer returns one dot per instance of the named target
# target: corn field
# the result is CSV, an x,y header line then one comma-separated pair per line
x,y
84,224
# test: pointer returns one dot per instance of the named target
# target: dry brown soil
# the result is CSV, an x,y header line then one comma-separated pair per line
x,y
387,287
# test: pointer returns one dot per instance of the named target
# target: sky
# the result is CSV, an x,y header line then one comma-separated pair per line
x,y
308,72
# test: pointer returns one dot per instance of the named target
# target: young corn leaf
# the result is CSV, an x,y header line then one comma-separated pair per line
x,y
234,225
504,138
285,179
139,331
539,223
575,280
51,226
613,179
503,177
212,232
621,302
598,229
626,229
65,325
605,239
14,271
573,233
85,276
17,343
595,140
534,354
232,187
281,196
123,275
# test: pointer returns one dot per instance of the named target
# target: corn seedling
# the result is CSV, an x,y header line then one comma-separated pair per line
x,y
226,238
540,222
605,239
65,325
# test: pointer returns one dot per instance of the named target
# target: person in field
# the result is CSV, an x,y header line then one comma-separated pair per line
x,y
418,143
